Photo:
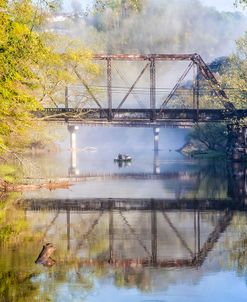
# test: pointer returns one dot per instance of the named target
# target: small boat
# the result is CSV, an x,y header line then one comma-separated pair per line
x,y
123,158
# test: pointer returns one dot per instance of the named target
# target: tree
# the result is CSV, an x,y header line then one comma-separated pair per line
x,y
234,78
234,81
18,48
56,70
118,5
141,30
34,66
212,135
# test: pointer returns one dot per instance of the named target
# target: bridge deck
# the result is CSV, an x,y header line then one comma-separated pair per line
x,y
140,116
126,204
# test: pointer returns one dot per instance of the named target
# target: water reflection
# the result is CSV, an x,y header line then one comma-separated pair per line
x,y
122,164
155,172
206,181
150,245
165,228
163,237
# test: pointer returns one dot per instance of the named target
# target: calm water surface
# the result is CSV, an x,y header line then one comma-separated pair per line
x,y
164,228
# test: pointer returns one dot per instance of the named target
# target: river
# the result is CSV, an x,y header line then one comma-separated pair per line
x,y
160,228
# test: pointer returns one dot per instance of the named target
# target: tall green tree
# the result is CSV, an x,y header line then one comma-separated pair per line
x,y
33,67
234,78
19,47
213,136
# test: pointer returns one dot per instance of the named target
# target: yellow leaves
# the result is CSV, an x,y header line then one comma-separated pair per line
x,y
77,56
19,30
92,68
34,66
24,12
136,4
3,3
58,63
235,81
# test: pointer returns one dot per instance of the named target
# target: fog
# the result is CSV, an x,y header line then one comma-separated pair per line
x,y
163,26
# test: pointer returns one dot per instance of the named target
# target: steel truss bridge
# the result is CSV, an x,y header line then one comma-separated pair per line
x,y
117,115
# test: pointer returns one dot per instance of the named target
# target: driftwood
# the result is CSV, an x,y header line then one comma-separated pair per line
x,y
44,257
8,187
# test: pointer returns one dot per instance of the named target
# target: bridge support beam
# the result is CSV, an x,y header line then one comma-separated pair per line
x,y
196,89
68,229
111,234
73,149
152,90
237,142
109,88
154,236
156,166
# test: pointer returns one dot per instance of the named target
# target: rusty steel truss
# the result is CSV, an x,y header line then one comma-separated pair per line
x,y
195,62
153,113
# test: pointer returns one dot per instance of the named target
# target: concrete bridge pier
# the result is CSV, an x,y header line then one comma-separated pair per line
x,y
237,142
156,165
73,170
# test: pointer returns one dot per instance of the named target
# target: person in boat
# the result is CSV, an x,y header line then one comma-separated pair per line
x,y
123,157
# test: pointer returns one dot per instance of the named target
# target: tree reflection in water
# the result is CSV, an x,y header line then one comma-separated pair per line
x,y
236,243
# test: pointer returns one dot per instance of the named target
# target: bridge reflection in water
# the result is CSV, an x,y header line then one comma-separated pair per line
x,y
131,233
138,232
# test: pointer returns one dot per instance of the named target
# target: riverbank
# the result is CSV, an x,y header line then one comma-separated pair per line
x,y
198,151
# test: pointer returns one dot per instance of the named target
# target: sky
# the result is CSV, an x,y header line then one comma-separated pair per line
x,y
221,5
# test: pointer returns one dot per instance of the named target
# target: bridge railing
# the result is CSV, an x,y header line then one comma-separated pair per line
x,y
141,115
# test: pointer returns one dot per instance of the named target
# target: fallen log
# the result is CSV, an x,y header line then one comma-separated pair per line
x,y
8,187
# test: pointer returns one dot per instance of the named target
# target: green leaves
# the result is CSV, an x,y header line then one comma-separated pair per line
x,y
234,78
16,69
212,135
35,67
